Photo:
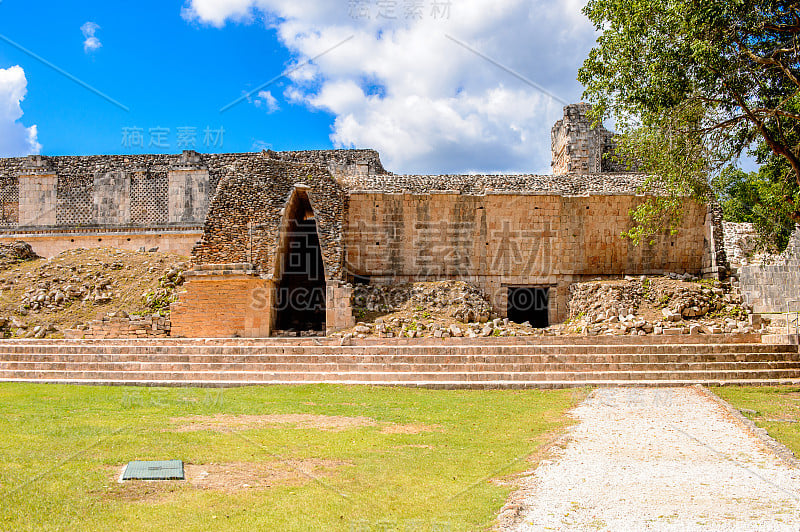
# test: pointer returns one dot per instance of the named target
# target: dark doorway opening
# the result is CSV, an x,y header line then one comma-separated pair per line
x,y
301,290
529,303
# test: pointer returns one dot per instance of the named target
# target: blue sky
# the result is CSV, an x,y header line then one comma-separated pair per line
x,y
170,73
452,86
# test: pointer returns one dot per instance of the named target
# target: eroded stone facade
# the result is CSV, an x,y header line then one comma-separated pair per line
x,y
503,239
496,231
130,201
577,147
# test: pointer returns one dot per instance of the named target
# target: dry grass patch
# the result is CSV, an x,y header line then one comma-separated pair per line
x,y
229,423
249,475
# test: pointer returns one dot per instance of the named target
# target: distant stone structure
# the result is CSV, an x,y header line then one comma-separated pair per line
x,y
579,148
279,238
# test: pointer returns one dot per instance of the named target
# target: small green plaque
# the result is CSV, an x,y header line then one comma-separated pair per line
x,y
155,470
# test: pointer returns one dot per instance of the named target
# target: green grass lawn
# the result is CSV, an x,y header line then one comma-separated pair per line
x,y
413,460
774,408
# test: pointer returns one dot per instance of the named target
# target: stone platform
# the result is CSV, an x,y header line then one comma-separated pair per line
x,y
550,362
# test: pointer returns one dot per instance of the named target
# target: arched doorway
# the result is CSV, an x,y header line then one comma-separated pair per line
x,y
301,288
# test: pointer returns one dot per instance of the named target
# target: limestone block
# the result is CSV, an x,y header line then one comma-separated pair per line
x,y
112,198
38,199
188,195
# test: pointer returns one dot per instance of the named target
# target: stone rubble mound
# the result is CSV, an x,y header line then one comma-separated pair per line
x,y
47,297
56,287
657,305
424,309
11,254
455,299
160,299
671,304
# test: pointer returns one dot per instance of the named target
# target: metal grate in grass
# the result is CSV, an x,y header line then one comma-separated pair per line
x,y
154,470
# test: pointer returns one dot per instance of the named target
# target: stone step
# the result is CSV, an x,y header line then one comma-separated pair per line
x,y
480,364
394,350
388,358
716,339
394,367
398,377
442,385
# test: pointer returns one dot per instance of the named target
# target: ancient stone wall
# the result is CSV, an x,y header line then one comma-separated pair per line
x,y
122,327
222,301
49,242
715,258
245,217
102,190
141,195
740,243
337,162
135,189
508,238
767,283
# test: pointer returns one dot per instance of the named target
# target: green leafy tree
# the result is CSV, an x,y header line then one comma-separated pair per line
x,y
760,198
691,84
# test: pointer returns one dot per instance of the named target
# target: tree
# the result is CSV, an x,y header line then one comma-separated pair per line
x,y
692,84
758,198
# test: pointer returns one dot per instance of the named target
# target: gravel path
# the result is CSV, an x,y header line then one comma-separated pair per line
x,y
659,459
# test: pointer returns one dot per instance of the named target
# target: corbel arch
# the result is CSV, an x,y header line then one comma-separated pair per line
x,y
299,271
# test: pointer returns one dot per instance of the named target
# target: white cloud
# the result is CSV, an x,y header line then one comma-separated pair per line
x,y
265,100
90,43
428,104
260,145
15,138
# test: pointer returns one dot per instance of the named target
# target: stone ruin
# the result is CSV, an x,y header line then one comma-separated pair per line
x,y
279,240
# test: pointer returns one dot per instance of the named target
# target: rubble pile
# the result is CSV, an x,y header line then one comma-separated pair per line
x,y
159,299
47,297
671,304
57,287
657,305
455,299
438,309
11,254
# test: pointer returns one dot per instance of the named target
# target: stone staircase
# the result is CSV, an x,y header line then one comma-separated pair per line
x,y
540,362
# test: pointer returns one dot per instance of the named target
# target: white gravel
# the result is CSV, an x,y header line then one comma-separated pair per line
x,y
659,459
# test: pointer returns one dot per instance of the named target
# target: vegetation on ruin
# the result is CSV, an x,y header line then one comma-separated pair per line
x,y
759,198
773,408
281,458
692,86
